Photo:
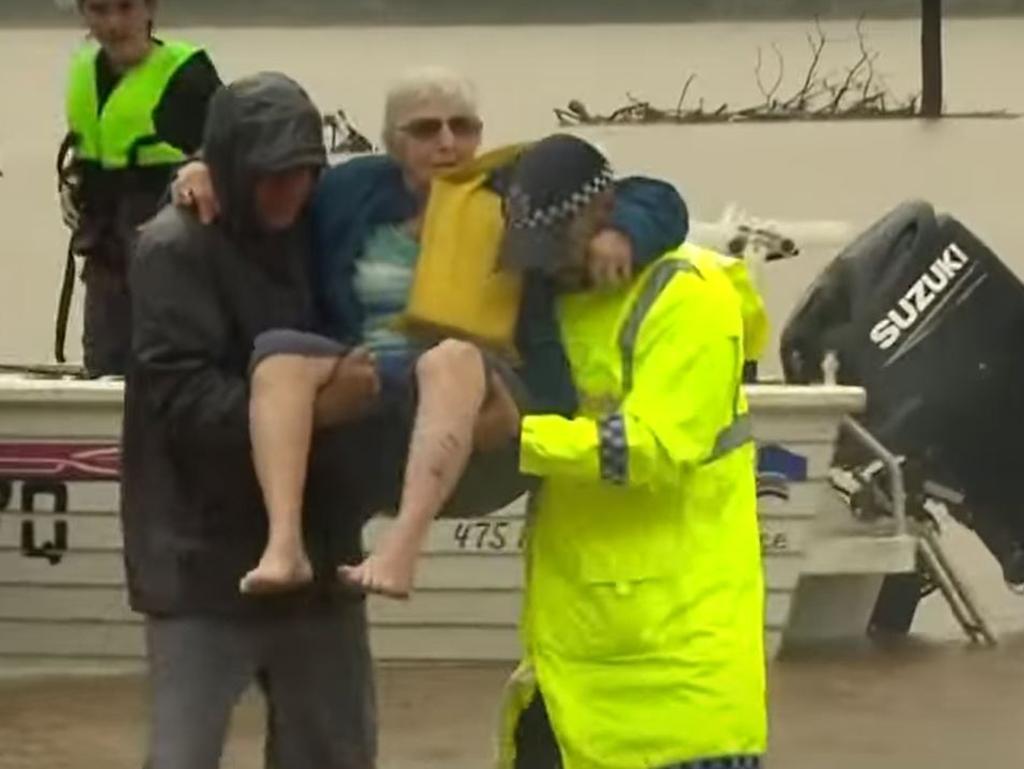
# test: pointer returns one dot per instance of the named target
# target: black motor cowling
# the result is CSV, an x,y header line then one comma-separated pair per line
x,y
930,322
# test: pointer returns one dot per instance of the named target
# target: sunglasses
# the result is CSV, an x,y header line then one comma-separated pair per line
x,y
461,126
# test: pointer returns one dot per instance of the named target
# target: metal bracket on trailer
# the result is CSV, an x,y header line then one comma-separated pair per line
x,y
929,547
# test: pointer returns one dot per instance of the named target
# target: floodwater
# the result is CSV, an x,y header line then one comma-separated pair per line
x,y
913,707
848,171
929,703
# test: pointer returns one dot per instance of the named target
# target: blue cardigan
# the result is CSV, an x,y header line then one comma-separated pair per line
x,y
355,197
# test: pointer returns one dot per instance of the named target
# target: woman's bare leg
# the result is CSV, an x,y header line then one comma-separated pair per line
x,y
290,394
452,385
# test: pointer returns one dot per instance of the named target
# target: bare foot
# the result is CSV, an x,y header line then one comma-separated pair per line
x,y
278,572
389,572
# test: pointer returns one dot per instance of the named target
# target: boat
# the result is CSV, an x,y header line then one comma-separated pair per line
x,y
63,602
62,586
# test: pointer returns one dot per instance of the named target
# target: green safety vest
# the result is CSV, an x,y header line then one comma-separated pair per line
x,y
109,136
644,606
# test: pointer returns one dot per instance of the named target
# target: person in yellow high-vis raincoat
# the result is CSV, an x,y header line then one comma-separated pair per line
x,y
643,617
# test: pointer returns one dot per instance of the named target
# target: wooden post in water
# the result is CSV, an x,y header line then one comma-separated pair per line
x,y
931,58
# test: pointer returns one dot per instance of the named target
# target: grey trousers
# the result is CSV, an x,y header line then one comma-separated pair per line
x,y
314,668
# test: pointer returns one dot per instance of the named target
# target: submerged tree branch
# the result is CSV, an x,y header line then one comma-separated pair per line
x,y
859,94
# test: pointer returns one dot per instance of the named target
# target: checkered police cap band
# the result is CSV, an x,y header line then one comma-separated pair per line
x,y
552,180
522,215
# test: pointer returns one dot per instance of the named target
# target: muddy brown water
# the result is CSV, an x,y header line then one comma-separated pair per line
x,y
914,705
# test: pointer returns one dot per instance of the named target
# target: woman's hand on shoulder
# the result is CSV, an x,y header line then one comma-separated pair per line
x,y
192,188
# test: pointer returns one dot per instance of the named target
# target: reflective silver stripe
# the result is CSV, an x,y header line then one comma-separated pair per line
x,y
736,434
614,449
725,762
660,277
740,432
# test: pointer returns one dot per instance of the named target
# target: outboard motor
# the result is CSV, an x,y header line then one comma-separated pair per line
x,y
929,321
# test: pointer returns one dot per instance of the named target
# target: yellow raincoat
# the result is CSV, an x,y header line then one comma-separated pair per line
x,y
643,617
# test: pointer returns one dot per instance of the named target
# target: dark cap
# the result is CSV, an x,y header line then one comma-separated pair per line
x,y
551,182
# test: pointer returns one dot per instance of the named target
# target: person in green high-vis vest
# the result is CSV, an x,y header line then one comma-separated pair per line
x,y
136,106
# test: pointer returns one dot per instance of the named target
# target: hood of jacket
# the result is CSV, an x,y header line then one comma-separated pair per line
x,y
256,126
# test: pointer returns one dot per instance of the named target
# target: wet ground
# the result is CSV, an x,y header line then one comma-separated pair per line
x,y
910,706
931,702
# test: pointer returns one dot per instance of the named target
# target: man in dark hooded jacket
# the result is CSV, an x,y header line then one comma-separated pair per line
x,y
192,511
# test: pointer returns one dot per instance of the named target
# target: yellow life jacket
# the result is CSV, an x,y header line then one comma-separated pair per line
x,y
458,289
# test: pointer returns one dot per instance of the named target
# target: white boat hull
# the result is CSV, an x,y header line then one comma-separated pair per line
x,y
62,596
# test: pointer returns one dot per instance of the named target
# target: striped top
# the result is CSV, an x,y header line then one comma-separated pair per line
x,y
383,281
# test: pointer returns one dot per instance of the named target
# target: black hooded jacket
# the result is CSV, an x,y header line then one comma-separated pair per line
x,y
192,512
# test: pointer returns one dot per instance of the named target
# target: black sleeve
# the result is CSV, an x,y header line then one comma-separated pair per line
x,y
181,115
180,338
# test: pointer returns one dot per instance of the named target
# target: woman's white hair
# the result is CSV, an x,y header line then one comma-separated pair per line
x,y
422,84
